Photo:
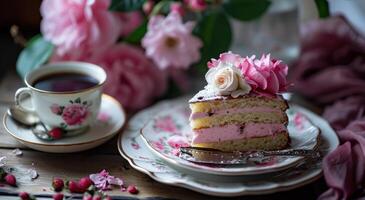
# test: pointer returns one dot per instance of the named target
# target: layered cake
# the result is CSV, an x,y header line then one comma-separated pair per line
x,y
241,107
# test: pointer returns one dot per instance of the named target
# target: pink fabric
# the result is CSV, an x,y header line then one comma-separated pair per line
x,y
344,168
332,62
78,28
331,71
132,78
170,42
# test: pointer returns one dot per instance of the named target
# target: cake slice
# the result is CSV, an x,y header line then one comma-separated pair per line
x,y
241,107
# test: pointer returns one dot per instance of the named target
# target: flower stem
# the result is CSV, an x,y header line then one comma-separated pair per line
x,y
17,36
323,8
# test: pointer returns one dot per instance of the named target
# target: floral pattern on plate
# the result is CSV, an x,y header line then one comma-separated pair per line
x,y
170,129
133,148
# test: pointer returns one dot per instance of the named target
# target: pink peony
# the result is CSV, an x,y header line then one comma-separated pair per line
x,y
169,42
227,57
74,114
79,27
129,22
265,75
132,78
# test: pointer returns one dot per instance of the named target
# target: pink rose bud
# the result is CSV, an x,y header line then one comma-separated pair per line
x,y
147,7
55,133
57,184
58,196
24,196
10,179
87,196
85,183
132,189
197,5
177,7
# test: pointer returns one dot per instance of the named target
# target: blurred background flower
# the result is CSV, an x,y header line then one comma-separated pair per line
x,y
170,43
79,28
133,79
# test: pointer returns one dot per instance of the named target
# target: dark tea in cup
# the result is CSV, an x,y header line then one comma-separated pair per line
x,y
65,82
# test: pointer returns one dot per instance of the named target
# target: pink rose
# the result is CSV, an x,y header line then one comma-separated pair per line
x,y
56,109
129,22
74,114
265,75
170,43
79,27
132,78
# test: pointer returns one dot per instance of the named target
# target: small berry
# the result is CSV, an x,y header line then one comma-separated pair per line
x,y
73,186
132,189
97,197
85,183
55,133
24,196
107,198
87,196
58,196
10,179
57,184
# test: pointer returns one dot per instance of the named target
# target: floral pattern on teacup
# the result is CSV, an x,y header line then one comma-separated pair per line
x,y
72,114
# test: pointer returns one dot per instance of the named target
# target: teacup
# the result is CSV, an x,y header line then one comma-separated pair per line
x,y
69,109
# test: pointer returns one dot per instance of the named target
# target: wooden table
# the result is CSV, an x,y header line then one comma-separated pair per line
x,y
77,165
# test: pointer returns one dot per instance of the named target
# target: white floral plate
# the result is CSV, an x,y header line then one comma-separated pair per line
x,y
133,148
110,120
173,124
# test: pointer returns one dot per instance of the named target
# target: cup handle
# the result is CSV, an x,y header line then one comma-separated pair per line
x,y
18,98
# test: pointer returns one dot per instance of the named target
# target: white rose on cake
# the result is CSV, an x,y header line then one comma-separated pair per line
x,y
226,79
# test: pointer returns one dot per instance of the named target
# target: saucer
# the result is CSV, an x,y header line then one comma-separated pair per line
x,y
132,147
174,122
110,120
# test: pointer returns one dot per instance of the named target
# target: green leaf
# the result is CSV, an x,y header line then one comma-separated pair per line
x,y
78,100
161,7
245,10
126,5
34,55
215,31
136,36
323,8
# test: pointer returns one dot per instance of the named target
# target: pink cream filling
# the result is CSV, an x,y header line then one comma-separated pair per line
x,y
198,115
232,132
